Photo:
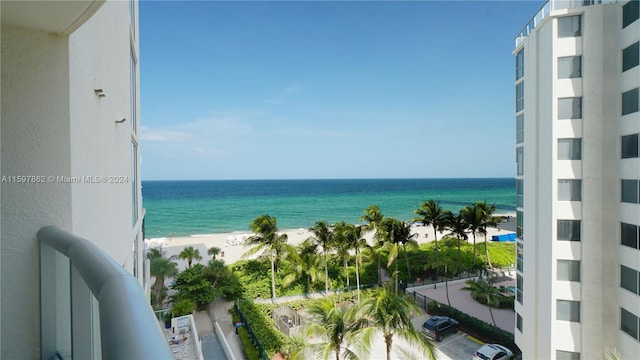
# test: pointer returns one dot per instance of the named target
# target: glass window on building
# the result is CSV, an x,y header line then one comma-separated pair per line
x,y
629,279
570,149
568,270
519,288
569,67
519,222
569,230
630,101
520,129
630,13
569,26
631,56
568,310
570,108
519,64
567,355
519,322
629,323
134,182
629,235
569,190
519,193
629,190
520,161
629,146
520,97
519,256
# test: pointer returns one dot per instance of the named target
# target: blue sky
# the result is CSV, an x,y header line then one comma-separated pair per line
x,y
295,90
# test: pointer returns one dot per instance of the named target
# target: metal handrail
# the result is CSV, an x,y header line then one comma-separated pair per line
x,y
128,328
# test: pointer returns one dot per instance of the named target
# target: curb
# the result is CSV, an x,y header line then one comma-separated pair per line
x,y
474,339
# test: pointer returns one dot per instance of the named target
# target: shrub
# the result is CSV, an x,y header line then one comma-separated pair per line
x,y
193,285
183,307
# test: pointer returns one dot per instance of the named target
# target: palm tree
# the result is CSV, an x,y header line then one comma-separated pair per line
x,y
214,252
351,235
482,288
333,324
305,263
323,236
442,261
394,233
341,247
389,313
472,216
458,228
190,254
373,216
161,268
431,213
487,219
267,238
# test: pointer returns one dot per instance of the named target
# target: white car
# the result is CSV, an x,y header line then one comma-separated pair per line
x,y
493,352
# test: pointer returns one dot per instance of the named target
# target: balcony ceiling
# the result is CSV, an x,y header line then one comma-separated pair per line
x,y
60,17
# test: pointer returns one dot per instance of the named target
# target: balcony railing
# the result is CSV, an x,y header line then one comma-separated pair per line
x,y
550,6
128,328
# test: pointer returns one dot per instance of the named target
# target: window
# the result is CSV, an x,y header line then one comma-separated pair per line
x,y
519,64
569,26
629,323
629,235
629,146
568,310
630,56
630,13
569,67
519,222
519,288
569,230
629,279
629,189
570,108
133,90
630,101
520,129
520,96
568,270
519,322
569,190
519,255
519,193
569,149
567,355
134,182
519,161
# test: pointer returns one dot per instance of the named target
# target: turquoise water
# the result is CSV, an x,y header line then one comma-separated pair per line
x,y
205,207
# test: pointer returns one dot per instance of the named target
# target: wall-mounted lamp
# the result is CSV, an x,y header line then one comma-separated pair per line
x,y
121,121
99,93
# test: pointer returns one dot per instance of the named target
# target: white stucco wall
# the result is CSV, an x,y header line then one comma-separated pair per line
x,y
35,141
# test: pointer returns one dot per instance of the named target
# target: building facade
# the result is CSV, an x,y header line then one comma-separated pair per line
x,y
69,155
577,181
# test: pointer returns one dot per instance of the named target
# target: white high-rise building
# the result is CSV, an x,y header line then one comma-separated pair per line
x,y
69,158
577,181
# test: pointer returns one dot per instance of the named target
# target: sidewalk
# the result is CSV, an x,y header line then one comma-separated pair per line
x,y
462,300
219,311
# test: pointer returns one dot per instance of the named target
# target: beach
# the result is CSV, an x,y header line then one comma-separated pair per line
x,y
232,248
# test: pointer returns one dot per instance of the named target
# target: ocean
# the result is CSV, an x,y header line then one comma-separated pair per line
x,y
175,208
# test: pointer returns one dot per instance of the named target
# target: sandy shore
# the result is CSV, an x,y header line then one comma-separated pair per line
x,y
232,250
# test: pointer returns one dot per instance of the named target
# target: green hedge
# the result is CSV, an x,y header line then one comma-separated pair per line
x,y
258,317
250,350
476,327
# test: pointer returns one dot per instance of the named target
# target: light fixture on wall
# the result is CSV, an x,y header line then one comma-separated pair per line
x,y
99,93
121,121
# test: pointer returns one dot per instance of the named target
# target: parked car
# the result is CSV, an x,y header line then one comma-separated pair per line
x,y
437,327
493,352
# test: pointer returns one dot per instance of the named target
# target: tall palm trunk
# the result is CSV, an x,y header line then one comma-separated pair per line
x,y
490,311
435,237
406,259
273,277
326,274
388,340
337,351
346,271
446,284
396,273
486,250
357,275
158,290
474,251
